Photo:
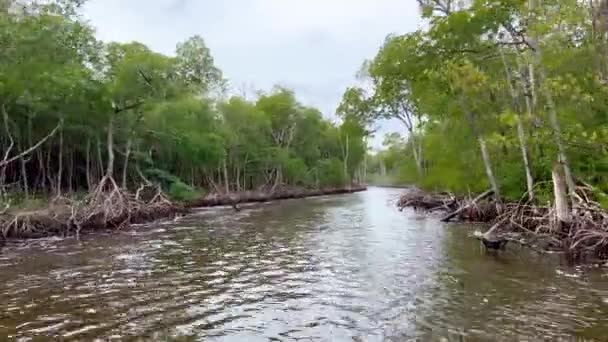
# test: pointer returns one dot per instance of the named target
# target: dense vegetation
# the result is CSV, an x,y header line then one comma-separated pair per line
x,y
76,110
494,94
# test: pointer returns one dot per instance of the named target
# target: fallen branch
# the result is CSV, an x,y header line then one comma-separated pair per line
x,y
31,149
465,207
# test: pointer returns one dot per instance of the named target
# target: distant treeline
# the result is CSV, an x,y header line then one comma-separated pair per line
x,y
75,110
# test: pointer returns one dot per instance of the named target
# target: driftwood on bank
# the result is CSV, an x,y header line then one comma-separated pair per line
x,y
231,199
467,205
578,227
108,206
479,209
111,207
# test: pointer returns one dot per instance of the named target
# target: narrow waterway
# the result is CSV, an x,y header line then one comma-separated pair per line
x,y
340,268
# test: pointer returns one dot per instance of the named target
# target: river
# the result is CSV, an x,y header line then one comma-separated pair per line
x,y
339,268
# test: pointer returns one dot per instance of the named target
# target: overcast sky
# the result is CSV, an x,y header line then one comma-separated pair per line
x,y
314,47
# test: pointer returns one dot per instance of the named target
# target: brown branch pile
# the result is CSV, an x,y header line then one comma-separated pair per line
x,y
471,210
108,206
586,234
420,200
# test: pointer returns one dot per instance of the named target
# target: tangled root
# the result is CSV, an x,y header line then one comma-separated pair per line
x,y
108,206
537,226
111,206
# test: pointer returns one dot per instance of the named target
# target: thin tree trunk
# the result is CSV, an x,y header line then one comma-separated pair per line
x,y
125,167
192,180
521,135
88,164
226,181
26,190
561,197
365,167
110,147
99,157
278,179
71,173
524,153
212,183
553,119
41,178
346,153
488,166
7,152
417,158
60,163
406,119
484,151
238,178
48,167
555,126
245,173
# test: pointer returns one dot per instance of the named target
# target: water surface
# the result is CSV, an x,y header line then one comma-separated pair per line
x,y
341,268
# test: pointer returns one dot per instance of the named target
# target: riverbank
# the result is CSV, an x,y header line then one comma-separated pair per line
x,y
213,200
584,236
119,209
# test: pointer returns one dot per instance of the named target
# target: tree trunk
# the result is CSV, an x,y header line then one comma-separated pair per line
x,y
99,158
238,178
279,178
49,176
521,135
484,151
26,190
488,166
346,153
553,119
125,167
417,158
41,178
365,167
60,163
88,164
110,147
561,197
71,173
226,181
561,157
7,152
192,177
212,183
524,152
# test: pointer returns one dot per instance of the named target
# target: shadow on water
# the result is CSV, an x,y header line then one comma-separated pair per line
x,y
342,268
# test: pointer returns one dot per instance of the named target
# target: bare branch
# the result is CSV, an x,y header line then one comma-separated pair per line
x,y
31,149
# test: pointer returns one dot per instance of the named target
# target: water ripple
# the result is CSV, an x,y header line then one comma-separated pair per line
x,y
344,268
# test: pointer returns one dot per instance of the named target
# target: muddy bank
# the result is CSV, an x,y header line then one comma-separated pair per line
x,y
583,237
118,209
260,196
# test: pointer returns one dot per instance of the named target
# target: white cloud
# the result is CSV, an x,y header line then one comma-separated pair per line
x,y
312,46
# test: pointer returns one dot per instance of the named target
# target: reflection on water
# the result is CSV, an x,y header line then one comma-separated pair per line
x,y
344,268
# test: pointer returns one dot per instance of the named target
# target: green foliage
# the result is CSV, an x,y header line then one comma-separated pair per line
x,y
180,191
331,173
123,109
492,72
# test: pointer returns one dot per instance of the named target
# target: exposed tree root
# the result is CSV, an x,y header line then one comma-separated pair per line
x,y
464,209
536,226
108,206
